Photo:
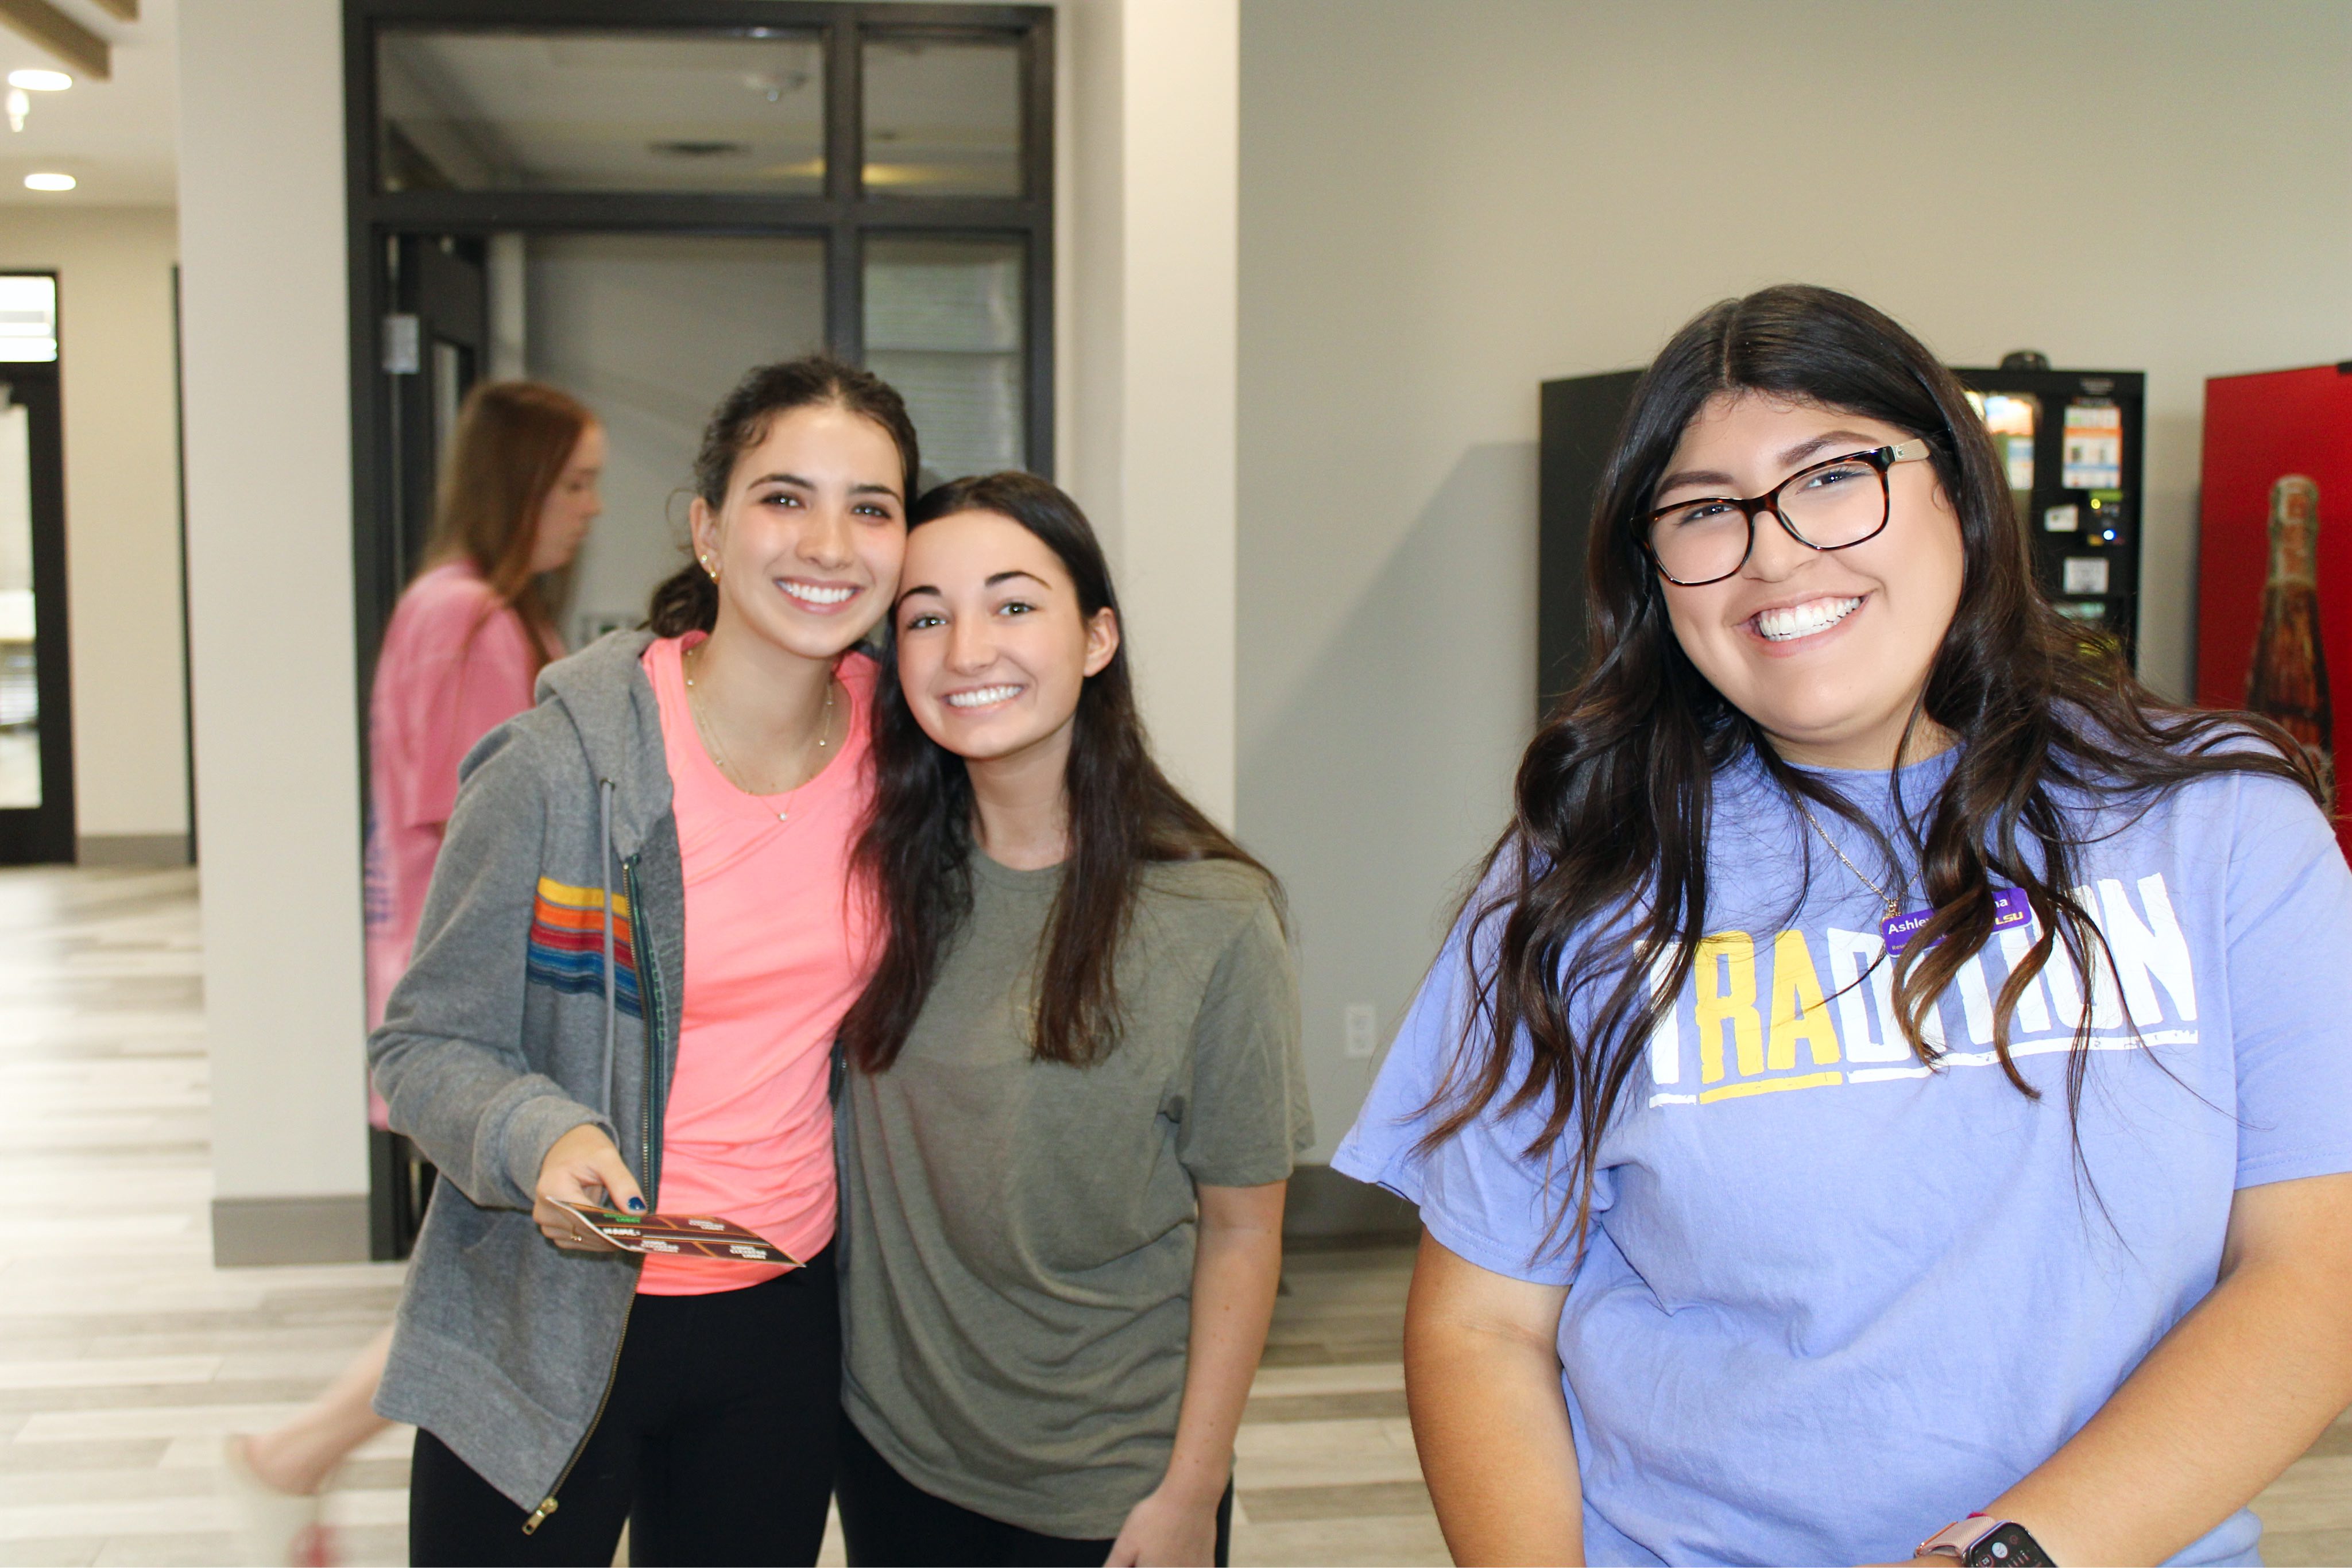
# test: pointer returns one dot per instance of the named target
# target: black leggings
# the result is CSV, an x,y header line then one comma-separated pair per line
x,y
890,1522
715,1445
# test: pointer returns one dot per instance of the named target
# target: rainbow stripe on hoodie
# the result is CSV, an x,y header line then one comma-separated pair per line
x,y
567,943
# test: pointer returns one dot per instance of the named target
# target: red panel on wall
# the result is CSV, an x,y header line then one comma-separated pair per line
x,y
2258,430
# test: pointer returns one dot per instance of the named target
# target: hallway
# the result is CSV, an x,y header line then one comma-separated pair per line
x,y
125,1356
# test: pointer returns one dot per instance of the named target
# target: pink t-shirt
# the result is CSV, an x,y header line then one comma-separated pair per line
x,y
776,949
457,662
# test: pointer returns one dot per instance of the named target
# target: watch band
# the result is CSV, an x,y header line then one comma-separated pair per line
x,y
1982,1543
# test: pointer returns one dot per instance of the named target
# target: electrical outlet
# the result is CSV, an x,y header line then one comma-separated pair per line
x,y
1360,1029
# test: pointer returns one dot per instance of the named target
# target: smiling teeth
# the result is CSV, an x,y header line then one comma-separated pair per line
x,y
1804,620
982,698
818,595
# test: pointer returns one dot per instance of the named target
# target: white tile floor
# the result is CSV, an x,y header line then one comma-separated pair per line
x,y
125,1356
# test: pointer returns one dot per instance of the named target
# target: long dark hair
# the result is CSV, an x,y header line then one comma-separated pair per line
x,y
1600,878
512,443
916,852
687,600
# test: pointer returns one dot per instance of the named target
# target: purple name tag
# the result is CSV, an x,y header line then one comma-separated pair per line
x,y
2010,907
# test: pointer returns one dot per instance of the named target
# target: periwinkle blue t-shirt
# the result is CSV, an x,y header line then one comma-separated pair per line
x,y
1834,1301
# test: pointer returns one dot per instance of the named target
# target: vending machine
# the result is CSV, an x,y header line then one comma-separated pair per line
x,y
2273,583
2071,443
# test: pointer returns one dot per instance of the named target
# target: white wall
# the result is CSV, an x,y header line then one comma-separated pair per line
x,y
1153,281
122,521
1443,207
269,524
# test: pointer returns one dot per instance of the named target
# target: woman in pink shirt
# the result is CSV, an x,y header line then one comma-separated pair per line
x,y
469,636
467,640
641,938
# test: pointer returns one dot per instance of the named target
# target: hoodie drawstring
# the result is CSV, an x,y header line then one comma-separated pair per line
x,y
612,984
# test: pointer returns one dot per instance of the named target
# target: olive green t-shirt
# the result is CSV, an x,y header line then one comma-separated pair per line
x,y
1017,1236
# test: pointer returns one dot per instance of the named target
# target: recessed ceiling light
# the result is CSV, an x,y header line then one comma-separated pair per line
x,y
49,181
40,82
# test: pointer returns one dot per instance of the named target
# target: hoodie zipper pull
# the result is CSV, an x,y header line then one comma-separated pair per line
x,y
539,1516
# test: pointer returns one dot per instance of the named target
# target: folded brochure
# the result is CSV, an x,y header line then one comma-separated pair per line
x,y
678,1235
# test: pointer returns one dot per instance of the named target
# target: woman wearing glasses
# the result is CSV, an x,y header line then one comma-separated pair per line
x,y
1930,1098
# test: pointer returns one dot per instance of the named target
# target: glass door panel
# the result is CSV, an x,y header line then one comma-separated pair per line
x,y
944,324
650,331
440,292
29,318
20,691
568,109
942,117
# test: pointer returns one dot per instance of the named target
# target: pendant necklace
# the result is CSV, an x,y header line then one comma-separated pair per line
x,y
1892,906
1895,929
2010,904
718,752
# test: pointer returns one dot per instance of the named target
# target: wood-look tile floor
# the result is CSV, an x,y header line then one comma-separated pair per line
x,y
125,1356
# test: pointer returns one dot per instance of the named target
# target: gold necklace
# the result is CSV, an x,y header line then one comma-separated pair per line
x,y
718,752
1893,908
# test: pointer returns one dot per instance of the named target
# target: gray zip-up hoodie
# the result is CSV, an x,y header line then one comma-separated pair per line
x,y
543,995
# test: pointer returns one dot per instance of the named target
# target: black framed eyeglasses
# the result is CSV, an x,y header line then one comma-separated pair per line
x,y
1834,503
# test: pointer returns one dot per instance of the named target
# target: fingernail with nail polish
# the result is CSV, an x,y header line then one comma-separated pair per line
x,y
637,1206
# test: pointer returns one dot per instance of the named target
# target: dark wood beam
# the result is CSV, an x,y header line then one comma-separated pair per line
x,y
73,43
121,10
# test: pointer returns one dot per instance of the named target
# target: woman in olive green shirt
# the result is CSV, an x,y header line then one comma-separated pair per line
x,y
1075,1092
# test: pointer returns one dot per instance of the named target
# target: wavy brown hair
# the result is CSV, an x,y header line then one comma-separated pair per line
x,y
917,848
512,442
687,600
1601,877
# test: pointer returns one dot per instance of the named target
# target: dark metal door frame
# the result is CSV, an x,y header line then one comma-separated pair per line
x,y
440,291
440,294
384,224
843,216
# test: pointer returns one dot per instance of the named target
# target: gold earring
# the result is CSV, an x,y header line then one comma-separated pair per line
x,y
711,568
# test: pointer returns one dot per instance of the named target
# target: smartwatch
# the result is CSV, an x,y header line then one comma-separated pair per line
x,y
1982,1543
